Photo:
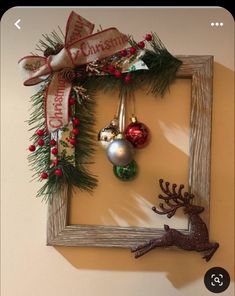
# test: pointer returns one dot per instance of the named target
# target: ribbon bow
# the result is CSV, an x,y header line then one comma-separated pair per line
x,y
80,47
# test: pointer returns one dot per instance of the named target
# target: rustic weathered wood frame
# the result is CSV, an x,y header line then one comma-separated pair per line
x,y
200,70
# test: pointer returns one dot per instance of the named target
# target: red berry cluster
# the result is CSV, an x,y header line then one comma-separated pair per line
x,y
58,171
40,142
127,53
75,120
72,140
75,131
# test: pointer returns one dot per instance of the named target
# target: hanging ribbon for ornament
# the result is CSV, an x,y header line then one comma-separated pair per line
x,y
80,47
120,152
108,133
136,132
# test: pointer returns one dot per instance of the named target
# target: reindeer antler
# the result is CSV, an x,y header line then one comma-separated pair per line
x,y
174,196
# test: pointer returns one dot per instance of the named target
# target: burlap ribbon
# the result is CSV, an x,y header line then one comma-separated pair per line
x,y
80,47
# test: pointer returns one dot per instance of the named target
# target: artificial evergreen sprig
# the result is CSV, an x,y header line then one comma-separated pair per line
x,y
162,72
72,167
61,168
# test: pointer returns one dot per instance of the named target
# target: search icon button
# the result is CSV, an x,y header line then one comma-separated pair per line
x,y
217,279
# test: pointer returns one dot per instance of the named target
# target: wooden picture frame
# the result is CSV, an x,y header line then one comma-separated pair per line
x,y
200,70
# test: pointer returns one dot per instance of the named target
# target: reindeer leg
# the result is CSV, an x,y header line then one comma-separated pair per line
x,y
212,249
142,246
141,251
145,245
164,241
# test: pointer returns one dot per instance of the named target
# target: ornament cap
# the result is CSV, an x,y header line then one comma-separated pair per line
x,y
114,122
120,136
133,119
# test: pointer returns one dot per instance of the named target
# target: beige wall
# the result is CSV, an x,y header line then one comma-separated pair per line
x,y
28,266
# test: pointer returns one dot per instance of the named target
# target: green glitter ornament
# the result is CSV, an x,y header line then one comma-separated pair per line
x,y
127,172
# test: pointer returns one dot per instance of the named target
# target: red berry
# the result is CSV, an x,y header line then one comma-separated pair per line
x,y
58,172
118,73
41,142
55,161
52,142
141,44
75,131
132,50
32,148
127,78
105,68
72,101
148,37
76,121
44,175
54,151
72,141
124,53
40,133
111,68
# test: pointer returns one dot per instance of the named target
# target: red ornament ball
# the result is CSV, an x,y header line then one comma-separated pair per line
x,y
132,50
54,151
137,133
72,141
52,142
127,78
32,148
40,133
75,131
118,73
41,142
148,37
72,101
141,44
76,121
58,172
44,175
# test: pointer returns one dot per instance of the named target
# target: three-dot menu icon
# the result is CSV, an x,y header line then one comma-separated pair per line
x,y
217,24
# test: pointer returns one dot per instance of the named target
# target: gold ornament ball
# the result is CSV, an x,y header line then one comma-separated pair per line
x,y
107,134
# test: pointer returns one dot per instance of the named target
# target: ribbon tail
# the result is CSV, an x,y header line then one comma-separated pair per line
x,y
77,27
34,69
56,103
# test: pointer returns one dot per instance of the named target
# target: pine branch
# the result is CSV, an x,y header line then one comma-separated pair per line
x,y
86,139
71,176
40,159
162,72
